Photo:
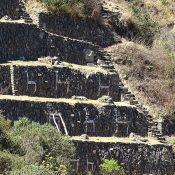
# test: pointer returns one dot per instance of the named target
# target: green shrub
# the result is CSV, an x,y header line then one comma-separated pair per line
x,y
32,170
4,123
42,144
34,149
5,141
111,166
10,162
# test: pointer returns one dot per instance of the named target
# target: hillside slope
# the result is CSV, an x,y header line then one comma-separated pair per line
x,y
146,56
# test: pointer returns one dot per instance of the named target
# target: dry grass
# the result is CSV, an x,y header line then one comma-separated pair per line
x,y
150,71
116,140
87,70
162,11
151,74
71,101
121,7
34,7
82,8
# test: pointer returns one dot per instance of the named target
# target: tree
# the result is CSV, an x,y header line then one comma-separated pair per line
x,y
41,149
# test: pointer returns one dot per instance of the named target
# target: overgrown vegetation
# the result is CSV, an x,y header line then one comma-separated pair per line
x,y
31,148
150,73
147,61
83,8
146,18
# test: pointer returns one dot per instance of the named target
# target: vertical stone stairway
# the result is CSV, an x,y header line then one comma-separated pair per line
x,y
12,80
154,128
23,14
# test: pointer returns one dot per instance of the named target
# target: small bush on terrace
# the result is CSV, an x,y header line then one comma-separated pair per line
x,y
111,167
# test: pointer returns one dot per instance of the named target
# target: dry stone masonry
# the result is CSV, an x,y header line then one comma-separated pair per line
x,y
59,73
137,158
55,81
27,42
9,8
78,28
80,116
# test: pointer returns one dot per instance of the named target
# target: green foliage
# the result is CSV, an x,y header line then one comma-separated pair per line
x,y
5,141
111,166
146,27
4,123
10,162
32,170
34,149
42,143
62,6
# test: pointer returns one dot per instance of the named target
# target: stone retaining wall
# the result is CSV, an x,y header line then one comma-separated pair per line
x,y
27,42
5,83
58,81
136,159
79,28
9,8
96,119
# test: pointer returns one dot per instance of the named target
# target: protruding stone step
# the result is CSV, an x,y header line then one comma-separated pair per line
x,y
12,80
133,102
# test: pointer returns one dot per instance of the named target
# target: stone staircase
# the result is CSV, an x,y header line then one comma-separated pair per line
x,y
23,13
129,97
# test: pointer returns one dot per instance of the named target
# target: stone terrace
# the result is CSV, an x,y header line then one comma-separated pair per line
x,y
68,91
62,80
77,116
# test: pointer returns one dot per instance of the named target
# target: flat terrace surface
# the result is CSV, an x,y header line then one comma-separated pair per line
x,y
83,68
58,100
151,141
12,21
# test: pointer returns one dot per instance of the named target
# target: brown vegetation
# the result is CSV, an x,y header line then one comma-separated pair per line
x,y
82,8
150,72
